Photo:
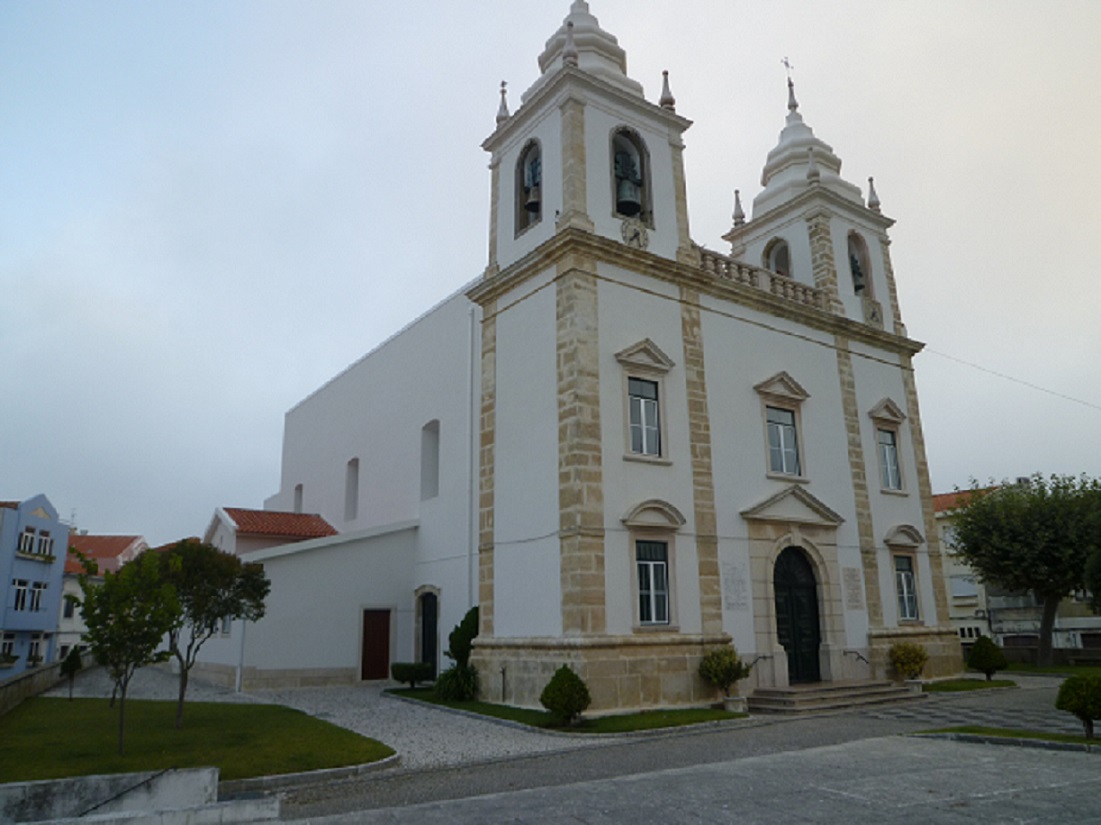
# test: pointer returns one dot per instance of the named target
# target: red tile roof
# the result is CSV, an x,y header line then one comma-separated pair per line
x,y
943,502
11,505
276,523
105,550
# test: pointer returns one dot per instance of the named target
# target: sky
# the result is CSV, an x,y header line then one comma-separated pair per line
x,y
209,209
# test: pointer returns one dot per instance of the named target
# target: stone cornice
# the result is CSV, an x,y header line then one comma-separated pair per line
x,y
569,242
814,200
573,82
647,639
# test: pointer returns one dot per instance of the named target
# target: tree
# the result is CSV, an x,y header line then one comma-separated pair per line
x,y
566,695
1081,695
723,668
211,586
127,616
70,667
1032,536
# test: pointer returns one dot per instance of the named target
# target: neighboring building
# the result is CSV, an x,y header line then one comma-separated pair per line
x,y
1011,619
109,553
625,448
32,552
237,531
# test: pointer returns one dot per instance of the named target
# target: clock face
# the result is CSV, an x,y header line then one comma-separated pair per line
x,y
634,233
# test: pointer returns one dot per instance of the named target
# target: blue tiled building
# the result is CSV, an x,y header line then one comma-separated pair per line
x,y
33,544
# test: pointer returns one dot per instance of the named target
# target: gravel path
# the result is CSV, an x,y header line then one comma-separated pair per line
x,y
424,736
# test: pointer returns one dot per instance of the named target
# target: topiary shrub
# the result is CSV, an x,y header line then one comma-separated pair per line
x,y
1081,695
566,695
986,657
411,672
722,668
461,640
458,683
908,659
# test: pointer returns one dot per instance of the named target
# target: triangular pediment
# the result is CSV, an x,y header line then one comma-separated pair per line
x,y
783,386
645,355
888,412
40,512
795,506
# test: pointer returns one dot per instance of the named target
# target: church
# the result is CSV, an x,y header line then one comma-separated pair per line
x,y
626,449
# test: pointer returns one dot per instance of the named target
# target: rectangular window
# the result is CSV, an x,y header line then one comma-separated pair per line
x,y
7,646
45,543
26,541
645,427
964,587
351,490
783,444
34,655
36,596
653,582
69,608
889,475
20,587
906,587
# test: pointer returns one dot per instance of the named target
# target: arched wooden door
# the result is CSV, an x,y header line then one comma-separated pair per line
x,y
797,614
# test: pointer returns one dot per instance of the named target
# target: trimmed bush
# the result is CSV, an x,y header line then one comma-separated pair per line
x,y
461,640
458,683
566,695
411,672
986,657
1081,695
908,659
722,668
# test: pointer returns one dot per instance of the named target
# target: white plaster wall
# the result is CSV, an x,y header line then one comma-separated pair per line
x,y
319,590
792,229
527,600
222,536
627,316
546,127
739,356
601,119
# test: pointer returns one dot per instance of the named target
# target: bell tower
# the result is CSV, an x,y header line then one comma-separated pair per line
x,y
585,150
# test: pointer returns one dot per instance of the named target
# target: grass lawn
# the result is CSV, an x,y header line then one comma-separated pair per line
x,y
960,685
1011,733
48,738
645,720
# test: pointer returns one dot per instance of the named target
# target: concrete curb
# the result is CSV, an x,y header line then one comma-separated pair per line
x,y
281,781
1020,742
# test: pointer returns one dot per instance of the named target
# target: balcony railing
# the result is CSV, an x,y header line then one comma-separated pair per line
x,y
727,269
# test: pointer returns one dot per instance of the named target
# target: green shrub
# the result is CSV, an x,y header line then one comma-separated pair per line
x,y
908,659
722,668
566,695
411,672
1081,695
458,683
461,640
986,657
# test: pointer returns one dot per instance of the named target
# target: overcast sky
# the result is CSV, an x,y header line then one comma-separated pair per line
x,y
208,209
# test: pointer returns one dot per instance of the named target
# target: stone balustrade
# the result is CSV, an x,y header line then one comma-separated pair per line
x,y
728,269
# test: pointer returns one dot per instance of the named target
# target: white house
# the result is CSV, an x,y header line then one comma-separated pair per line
x,y
625,448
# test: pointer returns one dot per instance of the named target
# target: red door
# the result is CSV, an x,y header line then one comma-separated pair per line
x,y
376,645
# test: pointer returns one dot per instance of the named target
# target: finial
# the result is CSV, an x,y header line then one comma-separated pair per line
x,y
812,166
739,213
873,198
569,54
793,104
502,110
667,100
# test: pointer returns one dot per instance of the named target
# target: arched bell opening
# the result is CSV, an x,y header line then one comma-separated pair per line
x,y
630,176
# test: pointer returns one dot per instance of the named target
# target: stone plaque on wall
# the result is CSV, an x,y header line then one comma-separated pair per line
x,y
854,590
735,586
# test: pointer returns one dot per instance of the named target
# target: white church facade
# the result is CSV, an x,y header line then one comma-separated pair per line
x,y
626,449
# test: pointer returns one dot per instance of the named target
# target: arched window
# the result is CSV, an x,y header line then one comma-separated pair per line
x,y
777,257
529,187
860,265
298,498
630,176
351,490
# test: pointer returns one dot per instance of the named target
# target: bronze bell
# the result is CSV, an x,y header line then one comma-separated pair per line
x,y
628,198
534,201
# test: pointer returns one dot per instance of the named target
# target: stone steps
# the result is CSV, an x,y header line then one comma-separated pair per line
x,y
828,696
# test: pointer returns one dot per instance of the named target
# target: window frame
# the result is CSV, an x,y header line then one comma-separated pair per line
x,y
888,417
38,590
21,594
646,362
914,594
647,411
783,393
651,598
888,455
28,541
